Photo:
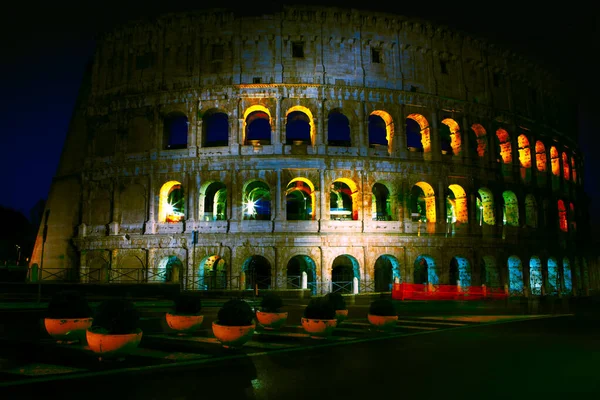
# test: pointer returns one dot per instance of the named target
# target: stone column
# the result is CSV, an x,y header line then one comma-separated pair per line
x,y
400,134
277,130
465,133
113,226
363,140
192,195
441,206
280,206
436,151
323,197
150,227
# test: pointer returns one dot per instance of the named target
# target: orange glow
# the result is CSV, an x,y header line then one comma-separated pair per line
x,y
425,134
310,118
573,170
524,151
165,210
540,156
562,216
566,165
481,135
455,139
389,126
460,203
250,110
554,161
429,200
505,147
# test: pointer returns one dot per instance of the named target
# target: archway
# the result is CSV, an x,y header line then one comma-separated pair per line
x,y
381,209
491,275
257,271
175,131
567,276
98,270
343,199
343,271
535,276
212,273
169,270
171,206
460,271
257,201
338,129
300,200
296,267
424,270
515,276
387,270
553,276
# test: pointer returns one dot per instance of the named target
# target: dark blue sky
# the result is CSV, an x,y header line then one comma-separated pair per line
x,y
45,49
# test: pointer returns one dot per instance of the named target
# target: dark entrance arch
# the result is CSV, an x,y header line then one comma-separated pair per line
x,y
257,270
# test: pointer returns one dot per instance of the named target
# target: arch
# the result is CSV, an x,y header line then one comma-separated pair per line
x,y
456,204
257,271
571,218
98,269
381,128
454,144
486,212
553,283
297,113
554,161
171,204
531,212
418,138
573,169
381,208
510,209
213,201
481,139
338,129
540,156
515,276
425,270
422,201
296,266
211,273
535,276
175,131
257,125
300,200
343,271
215,127
566,166
567,276
562,216
460,271
387,271
344,200
130,269
169,269
524,157
490,273
257,200
504,145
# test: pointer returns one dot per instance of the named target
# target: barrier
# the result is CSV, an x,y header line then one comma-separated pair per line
x,y
429,291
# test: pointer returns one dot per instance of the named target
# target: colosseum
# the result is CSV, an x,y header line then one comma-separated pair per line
x,y
319,149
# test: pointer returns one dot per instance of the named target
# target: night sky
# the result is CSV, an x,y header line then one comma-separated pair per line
x,y
45,49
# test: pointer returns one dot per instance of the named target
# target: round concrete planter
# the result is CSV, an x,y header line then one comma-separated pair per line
x,y
271,320
384,323
184,323
233,336
67,329
341,315
110,344
319,328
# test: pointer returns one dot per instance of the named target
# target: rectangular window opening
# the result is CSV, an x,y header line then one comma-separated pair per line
x,y
375,55
256,79
444,67
298,49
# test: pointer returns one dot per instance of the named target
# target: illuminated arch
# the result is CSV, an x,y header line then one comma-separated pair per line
x,y
300,200
535,276
260,111
566,166
540,156
338,129
515,276
481,137
212,204
211,273
215,128
511,208
460,271
344,199
553,276
567,276
485,207
381,202
171,203
427,199
386,272
490,274
573,169
168,269
175,130
424,132
562,216
389,127
456,204
554,161
425,270
308,113
257,272
344,269
504,145
455,139
531,214
298,265
257,200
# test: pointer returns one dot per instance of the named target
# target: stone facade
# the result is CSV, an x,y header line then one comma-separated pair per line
x,y
357,147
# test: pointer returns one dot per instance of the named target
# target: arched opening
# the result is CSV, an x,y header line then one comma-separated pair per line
x,y
567,276
553,277
212,273
490,272
98,270
380,129
257,130
566,166
387,270
515,276
459,272
297,128
562,216
571,218
342,200
451,141
418,136
213,198
573,169
338,129
504,146
510,209
540,156
485,211
296,267
257,271
300,200
480,142
531,214
424,270
535,276
381,208
257,201
422,202
555,166
343,271
456,205
524,158
215,125
169,270
175,131
171,206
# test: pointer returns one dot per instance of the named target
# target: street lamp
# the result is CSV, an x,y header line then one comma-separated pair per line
x,y
18,253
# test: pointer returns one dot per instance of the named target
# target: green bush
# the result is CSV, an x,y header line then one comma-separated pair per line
x,y
68,304
235,312
187,304
117,316
337,300
271,302
319,308
382,307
